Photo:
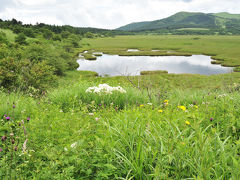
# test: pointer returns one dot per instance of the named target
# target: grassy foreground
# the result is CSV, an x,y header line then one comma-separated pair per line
x,y
188,133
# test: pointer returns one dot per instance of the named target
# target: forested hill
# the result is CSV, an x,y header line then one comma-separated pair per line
x,y
219,22
17,27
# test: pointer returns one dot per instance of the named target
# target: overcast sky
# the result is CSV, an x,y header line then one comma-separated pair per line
x,y
106,13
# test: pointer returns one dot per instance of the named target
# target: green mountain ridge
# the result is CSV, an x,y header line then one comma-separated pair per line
x,y
181,20
227,15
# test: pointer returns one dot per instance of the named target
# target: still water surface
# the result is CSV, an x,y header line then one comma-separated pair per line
x,y
114,65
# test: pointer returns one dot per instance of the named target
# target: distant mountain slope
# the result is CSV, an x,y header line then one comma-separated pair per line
x,y
227,15
186,20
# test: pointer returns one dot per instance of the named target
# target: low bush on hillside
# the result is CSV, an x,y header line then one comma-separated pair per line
x,y
35,64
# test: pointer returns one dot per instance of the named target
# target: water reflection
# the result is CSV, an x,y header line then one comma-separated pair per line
x,y
132,50
114,65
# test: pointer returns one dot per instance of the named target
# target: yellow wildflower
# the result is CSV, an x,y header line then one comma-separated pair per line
x,y
187,122
182,108
160,111
141,105
165,102
196,107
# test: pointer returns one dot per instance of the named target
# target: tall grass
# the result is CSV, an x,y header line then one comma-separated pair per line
x,y
137,142
151,145
76,96
17,105
16,110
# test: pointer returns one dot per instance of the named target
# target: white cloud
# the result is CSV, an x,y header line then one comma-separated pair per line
x,y
106,13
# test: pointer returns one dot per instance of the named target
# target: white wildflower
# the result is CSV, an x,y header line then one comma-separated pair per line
x,y
24,148
91,114
222,95
97,119
74,145
150,104
105,89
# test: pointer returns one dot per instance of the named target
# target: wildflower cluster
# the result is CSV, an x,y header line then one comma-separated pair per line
x,y
166,102
182,108
222,95
193,106
14,141
11,134
105,89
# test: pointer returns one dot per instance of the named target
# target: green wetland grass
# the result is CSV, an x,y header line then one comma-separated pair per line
x,y
89,57
152,72
165,126
189,133
225,49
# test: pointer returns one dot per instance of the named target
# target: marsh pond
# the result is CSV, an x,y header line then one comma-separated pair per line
x,y
114,65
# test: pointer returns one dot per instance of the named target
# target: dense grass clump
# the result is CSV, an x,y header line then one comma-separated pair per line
x,y
89,57
77,97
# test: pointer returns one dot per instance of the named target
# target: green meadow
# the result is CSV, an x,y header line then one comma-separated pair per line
x,y
9,34
224,49
162,126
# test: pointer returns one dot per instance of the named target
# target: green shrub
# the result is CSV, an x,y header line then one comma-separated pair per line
x,y
65,34
89,35
36,52
47,34
54,57
57,37
9,71
17,74
38,75
3,38
71,62
29,32
17,29
21,39
4,51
